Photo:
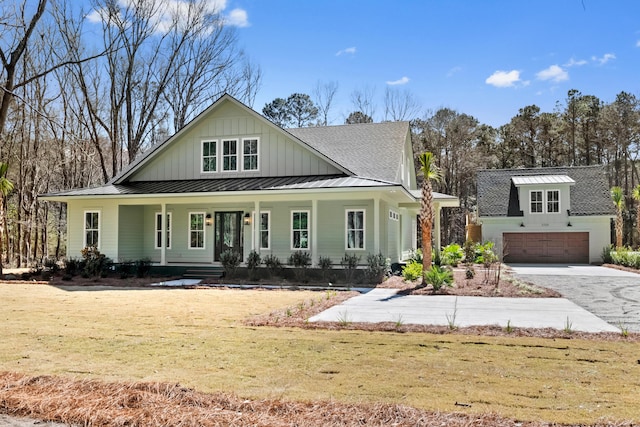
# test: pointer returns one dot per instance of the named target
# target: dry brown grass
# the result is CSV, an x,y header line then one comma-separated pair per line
x,y
117,339
96,403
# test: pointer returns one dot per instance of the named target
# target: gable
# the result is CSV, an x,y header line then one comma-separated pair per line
x,y
278,153
498,195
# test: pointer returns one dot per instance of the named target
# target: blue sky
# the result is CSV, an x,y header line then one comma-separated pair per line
x,y
483,58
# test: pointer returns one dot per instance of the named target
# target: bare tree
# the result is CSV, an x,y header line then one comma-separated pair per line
x,y
324,94
400,105
362,101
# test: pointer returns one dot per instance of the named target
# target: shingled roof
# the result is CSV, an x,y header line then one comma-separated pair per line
x,y
497,196
369,150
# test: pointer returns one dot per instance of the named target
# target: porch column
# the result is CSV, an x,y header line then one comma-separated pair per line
x,y
163,234
256,227
376,226
437,210
314,232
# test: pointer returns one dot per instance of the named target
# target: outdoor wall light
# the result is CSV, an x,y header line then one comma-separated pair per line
x,y
247,219
569,224
522,224
208,220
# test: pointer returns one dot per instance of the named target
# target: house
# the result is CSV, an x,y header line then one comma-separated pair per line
x,y
546,215
232,180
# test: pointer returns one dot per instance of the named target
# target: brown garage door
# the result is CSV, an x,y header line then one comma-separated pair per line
x,y
546,247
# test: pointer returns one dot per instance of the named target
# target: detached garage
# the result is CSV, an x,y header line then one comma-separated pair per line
x,y
546,215
565,248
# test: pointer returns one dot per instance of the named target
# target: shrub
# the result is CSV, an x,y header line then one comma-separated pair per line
x,y
273,264
451,255
143,267
51,265
486,254
412,271
606,254
415,255
301,261
230,261
73,266
253,263
95,263
325,265
377,268
125,269
438,277
349,262
469,250
469,272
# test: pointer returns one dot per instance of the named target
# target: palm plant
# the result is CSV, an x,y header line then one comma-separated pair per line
x,y
430,173
5,188
618,200
636,196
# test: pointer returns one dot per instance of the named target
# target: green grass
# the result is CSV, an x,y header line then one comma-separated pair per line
x,y
196,338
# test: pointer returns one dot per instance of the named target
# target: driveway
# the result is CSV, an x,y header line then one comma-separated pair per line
x,y
613,295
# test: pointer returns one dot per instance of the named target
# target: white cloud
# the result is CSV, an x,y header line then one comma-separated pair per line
x,y
554,73
576,62
347,51
402,81
503,78
604,59
453,71
638,43
238,18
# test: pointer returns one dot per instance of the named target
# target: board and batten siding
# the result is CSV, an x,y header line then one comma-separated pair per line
x,y
279,154
131,239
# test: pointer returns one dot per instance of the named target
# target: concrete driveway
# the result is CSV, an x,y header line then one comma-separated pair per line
x,y
612,295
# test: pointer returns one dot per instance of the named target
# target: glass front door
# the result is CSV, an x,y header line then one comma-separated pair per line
x,y
228,236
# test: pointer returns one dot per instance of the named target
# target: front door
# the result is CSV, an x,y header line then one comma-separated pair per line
x,y
228,233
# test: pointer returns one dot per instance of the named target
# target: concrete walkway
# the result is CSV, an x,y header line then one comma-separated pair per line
x,y
383,305
611,294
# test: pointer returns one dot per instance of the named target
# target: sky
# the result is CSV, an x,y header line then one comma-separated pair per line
x,y
484,58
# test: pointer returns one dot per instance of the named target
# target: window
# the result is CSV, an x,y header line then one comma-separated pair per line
x,y
265,225
300,230
355,229
250,154
553,201
536,201
159,230
209,156
230,155
196,230
92,229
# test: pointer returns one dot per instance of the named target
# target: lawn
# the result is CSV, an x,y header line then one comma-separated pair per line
x,y
196,338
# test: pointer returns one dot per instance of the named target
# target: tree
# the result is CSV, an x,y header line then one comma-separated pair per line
x,y
358,117
362,100
298,110
324,94
399,106
636,197
302,109
618,200
277,112
5,187
429,172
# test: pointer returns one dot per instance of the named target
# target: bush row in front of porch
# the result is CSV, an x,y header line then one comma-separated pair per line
x,y
299,268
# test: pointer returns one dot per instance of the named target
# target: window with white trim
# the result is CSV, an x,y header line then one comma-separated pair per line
x,y
158,234
229,155
265,230
355,229
92,229
196,230
553,201
536,203
300,230
250,147
209,156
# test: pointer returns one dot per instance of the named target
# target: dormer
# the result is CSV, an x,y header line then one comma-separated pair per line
x,y
543,197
